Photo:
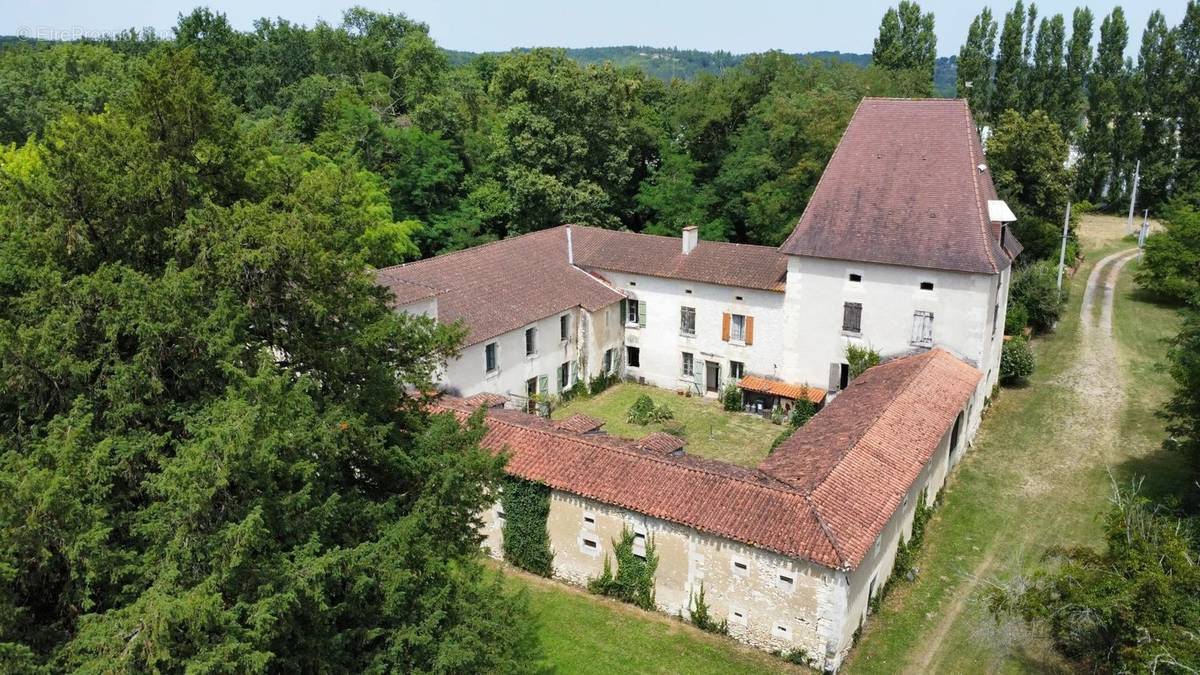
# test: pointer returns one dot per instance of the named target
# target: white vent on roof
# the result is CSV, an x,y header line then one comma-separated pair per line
x,y
998,212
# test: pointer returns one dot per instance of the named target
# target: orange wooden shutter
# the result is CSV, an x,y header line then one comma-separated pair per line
x,y
749,330
725,326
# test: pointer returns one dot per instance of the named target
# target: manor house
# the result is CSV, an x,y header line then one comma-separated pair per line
x,y
904,247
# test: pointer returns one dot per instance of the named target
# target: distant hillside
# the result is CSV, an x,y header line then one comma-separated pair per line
x,y
669,63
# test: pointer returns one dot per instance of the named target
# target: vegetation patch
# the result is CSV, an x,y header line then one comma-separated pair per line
x,y
634,579
644,411
701,617
526,506
1016,360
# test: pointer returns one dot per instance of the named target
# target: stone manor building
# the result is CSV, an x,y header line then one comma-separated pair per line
x,y
904,247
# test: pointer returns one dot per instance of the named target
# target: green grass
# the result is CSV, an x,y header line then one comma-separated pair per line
x,y
582,633
709,430
1029,482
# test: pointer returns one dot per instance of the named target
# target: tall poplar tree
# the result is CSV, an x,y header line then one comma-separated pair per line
x,y
1188,40
1161,86
906,40
1047,75
1078,62
1101,159
1010,64
975,64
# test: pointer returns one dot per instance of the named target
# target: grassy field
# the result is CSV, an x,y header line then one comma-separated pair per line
x,y
709,430
1039,474
583,633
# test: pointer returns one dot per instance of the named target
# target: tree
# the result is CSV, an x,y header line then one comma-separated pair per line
x,y
208,458
1130,607
1170,268
1035,288
1188,170
1182,411
1010,63
1078,62
1027,155
1047,75
975,64
1106,138
1160,85
906,40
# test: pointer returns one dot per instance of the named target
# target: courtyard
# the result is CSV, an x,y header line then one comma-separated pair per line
x,y
709,430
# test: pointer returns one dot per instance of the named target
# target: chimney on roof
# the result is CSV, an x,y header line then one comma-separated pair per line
x,y
570,248
691,237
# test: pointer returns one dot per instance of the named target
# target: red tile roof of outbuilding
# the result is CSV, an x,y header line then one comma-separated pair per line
x,y
823,496
904,187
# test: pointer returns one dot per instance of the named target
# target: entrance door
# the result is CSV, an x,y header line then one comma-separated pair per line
x,y
531,390
712,376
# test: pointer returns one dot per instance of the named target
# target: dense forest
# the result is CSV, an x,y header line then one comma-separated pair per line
x,y
210,457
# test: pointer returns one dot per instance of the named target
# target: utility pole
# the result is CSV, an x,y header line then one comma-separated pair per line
x,y
1062,251
1137,174
1145,229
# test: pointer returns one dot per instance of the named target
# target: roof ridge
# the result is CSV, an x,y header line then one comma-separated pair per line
x,y
979,206
476,247
555,432
827,471
710,242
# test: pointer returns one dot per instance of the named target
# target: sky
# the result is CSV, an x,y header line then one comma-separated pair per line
x,y
736,26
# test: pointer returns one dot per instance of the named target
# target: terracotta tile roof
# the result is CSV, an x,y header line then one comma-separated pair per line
x,y
722,263
904,187
504,285
858,457
739,504
778,388
661,442
579,423
486,399
406,292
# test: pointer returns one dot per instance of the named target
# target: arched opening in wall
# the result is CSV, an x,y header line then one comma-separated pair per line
x,y
955,434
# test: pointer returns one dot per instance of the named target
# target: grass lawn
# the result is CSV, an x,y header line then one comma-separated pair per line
x,y
709,430
1034,478
583,633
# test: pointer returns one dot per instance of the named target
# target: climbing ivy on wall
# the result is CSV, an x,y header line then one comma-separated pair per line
x,y
634,580
526,540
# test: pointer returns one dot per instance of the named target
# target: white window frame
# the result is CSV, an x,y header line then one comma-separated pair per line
x,y
737,328
741,370
683,327
688,365
922,328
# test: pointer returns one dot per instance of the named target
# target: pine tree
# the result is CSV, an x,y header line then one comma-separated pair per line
x,y
1188,42
1160,85
1078,61
1010,64
1101,162
1047,76
975,64
906,40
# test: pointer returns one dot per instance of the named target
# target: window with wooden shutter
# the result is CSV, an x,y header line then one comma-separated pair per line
x,y
737,328
641,316
749,330
852,317
922,329
725,326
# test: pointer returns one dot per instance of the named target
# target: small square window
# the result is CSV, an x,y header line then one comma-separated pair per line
x,y
688,291
855,277
738,617
633,356
589,520
782,631
786,582
927,285
740,568
737,297
633,283
590,543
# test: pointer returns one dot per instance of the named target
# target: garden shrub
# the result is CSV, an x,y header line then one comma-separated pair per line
x,y
601,382
644,411
783,436
860,358
731,398
799,657
1016,319
634,580
1016,360
802,412
777,415
700,615
526,540
1035,287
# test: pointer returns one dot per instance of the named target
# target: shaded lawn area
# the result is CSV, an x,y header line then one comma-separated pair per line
x,y
583,633
709,430
1028,483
